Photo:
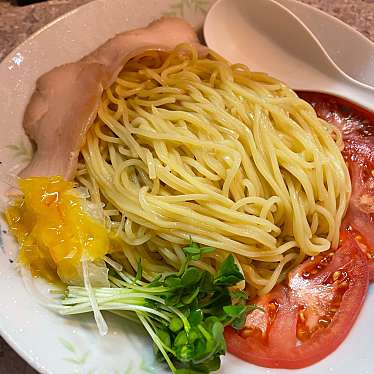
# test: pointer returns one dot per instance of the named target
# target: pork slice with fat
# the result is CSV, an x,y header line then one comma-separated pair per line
x,y
66,99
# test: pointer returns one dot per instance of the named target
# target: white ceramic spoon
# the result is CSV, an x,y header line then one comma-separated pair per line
x,y
266,36
348,48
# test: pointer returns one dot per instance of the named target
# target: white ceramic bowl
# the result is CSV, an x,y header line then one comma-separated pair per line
x,y
52,344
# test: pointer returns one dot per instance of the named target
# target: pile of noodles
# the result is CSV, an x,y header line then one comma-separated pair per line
x,y
187,148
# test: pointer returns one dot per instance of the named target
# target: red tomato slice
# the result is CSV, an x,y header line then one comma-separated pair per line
x,y
357,126
307,319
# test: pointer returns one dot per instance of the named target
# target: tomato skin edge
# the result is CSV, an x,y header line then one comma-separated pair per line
x,y
371,273
357,127
323,342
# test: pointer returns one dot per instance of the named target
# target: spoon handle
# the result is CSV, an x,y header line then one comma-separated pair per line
x,y
348,48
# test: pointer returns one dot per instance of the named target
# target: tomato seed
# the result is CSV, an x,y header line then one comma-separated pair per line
x,y
245,333
273,310
336,276
343,284
306,274
324,322
302,334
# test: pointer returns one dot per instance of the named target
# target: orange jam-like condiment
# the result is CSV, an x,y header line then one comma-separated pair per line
x,y
53,230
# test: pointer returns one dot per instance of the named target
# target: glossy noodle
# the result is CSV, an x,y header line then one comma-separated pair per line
x,y
187,148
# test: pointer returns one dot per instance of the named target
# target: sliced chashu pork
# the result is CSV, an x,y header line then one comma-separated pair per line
x,y
66,99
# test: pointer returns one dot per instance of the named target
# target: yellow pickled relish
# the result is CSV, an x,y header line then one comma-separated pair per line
x,y
53,230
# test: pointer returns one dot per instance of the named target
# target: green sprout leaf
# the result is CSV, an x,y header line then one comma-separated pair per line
x,y
139,271
196,317
234,310
229,273
184,312
191,277
194,252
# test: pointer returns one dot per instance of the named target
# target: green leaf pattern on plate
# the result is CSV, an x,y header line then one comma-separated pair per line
x,y
81,360
179,7
75,357
22,150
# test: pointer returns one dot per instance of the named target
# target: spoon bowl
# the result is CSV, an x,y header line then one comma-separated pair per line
x,y
266,36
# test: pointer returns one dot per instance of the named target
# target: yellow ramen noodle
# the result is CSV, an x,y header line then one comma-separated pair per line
x,y
188,148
